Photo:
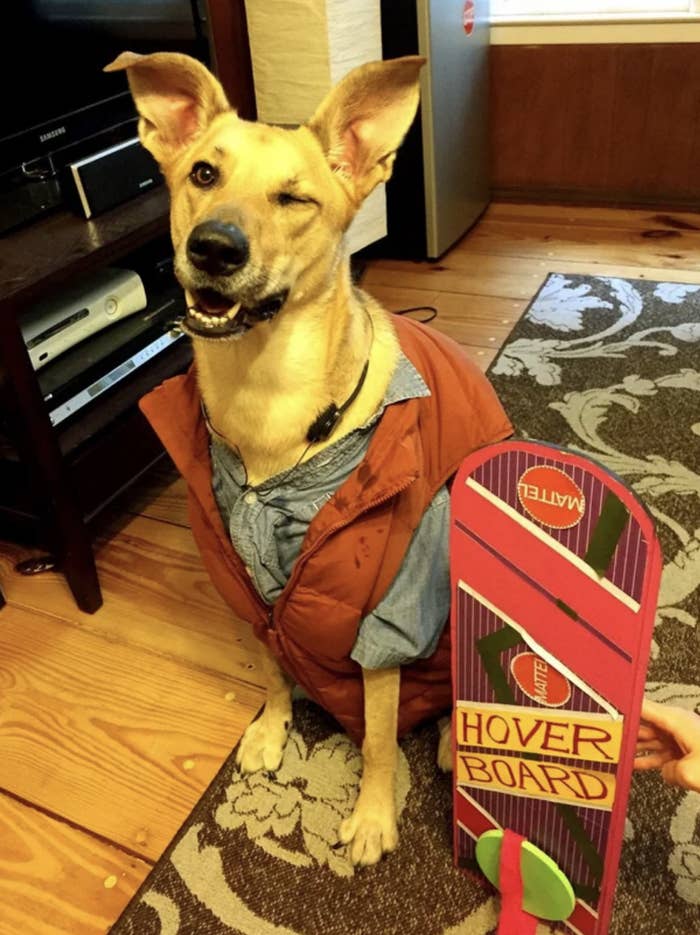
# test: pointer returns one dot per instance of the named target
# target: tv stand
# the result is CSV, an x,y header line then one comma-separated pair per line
x,y
58,493
67,487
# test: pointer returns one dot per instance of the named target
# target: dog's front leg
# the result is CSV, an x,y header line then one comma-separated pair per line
x,y
263,743
371,829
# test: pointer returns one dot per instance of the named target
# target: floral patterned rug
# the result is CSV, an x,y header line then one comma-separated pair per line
x,y
607,366
611,368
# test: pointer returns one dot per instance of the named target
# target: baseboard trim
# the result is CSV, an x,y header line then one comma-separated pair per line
x,y
599,199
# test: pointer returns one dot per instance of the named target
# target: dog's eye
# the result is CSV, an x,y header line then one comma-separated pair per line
x,y
203,174
287,198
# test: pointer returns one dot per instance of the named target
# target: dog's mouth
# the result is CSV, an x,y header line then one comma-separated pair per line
x,y
215,315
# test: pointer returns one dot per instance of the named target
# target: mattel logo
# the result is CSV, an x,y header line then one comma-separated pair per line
x,y
539,681
551,496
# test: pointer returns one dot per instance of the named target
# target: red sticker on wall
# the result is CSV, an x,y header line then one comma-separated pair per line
x,y
539,681
550,496
468,17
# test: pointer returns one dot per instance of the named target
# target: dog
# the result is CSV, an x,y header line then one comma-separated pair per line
x,y
290,359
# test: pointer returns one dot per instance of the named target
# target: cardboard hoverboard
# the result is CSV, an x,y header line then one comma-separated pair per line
x,y
555,573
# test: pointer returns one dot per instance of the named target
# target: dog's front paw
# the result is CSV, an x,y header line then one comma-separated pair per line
x,y
371,831
263,743
444,754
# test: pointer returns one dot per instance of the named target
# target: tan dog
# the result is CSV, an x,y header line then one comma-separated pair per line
x,y
294,194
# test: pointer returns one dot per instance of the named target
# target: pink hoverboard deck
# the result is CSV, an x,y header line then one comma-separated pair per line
x,y
555,575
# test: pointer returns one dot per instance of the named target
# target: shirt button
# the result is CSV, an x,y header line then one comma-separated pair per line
x,y
249,571
251,497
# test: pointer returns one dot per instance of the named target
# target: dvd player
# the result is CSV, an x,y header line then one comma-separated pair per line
x,y
97,365
102,384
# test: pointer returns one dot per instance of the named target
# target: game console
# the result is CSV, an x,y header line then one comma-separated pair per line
x,y
57,324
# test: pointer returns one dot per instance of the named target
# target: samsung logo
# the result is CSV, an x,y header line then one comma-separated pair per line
x,y
59,131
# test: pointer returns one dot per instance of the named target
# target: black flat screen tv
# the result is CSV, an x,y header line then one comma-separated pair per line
x,y
58,104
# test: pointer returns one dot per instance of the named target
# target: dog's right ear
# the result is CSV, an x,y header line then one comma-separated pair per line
x,y
176,98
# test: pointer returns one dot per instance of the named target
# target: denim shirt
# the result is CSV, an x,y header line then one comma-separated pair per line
x,y
267,525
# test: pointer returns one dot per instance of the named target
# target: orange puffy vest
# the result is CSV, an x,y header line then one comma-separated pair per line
x,y
355,544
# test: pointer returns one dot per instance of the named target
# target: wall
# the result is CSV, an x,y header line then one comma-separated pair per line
x,y
603,123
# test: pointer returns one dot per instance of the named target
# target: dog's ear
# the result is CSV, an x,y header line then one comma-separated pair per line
x,y
176,98
363,120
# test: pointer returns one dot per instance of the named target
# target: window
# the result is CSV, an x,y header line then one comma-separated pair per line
x,y
587,10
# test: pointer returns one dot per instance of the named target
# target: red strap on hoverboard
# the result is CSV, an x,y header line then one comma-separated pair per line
x,y
513,919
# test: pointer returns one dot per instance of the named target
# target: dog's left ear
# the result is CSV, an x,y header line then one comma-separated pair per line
x,y
176,97
363,120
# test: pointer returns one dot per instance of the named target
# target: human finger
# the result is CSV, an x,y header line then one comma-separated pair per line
x,y
653,760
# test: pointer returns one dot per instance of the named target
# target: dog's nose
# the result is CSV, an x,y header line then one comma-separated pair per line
x,y
217,248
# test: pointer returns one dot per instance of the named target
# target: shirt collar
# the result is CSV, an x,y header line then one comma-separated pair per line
x,y
406,383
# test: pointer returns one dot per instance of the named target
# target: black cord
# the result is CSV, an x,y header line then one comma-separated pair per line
x,y
222,440
420,308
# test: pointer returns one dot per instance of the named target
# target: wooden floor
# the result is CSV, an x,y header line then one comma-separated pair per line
x,y
112,725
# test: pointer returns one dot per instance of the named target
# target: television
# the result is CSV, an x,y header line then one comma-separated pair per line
x,y
58,104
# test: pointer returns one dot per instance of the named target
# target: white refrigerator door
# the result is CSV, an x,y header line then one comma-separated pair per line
x,y
454,108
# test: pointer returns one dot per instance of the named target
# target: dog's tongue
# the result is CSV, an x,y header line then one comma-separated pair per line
x,y
212,302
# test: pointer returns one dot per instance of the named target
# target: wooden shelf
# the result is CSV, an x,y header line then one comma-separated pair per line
x,y
62,492
41,257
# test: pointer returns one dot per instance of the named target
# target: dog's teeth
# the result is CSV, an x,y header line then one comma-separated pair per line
x,y
232,312
211,321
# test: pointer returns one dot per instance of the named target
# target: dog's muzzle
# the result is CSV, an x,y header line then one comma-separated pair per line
x,y
219,251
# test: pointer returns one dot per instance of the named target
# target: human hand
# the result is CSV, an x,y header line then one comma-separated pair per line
x,y
669,739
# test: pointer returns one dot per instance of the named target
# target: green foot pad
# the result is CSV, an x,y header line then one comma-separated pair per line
x,y
547,892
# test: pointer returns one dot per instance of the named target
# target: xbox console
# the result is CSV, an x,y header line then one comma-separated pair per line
x,y
54,326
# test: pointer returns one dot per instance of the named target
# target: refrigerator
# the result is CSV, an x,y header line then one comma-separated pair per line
x,y
440,185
